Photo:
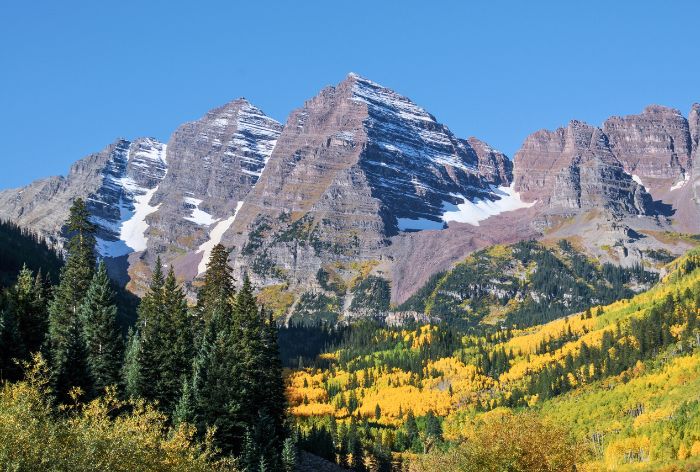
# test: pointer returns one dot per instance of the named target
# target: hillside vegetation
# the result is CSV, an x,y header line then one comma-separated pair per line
x,y
621,380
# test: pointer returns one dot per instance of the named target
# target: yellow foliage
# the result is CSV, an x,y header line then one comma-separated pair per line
x,y
276,298
92,436
626,450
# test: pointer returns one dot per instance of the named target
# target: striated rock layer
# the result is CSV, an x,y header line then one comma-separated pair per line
x,y
356,166
361,181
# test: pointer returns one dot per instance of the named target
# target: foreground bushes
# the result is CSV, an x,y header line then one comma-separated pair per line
x,y
507,442
106,434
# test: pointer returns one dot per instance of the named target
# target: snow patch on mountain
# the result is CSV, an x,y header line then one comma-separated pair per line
x,y
681,183
133,204
217,232
199,217
637,179
416,133
479,210
133,230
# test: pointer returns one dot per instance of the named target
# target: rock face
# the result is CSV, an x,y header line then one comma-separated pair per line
x,y
574,168
355,166
655,146
212,165
361,181
694,121
494,166
114,182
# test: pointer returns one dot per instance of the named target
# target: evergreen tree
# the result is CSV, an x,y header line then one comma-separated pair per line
x,y
65,340
160,357
432,426
11,349
28,301
131,372
275,399
215,390
103,341
411,428
177,349
145,354
290,456
218,285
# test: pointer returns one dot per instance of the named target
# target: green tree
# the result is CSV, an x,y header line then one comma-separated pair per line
x,y
290,455
218,288
11,348
103,341
161,352
146,345
65,340
176,343
131,372
28,301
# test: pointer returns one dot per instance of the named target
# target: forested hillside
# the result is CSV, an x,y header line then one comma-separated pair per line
x,y
525,284
619,382
19,247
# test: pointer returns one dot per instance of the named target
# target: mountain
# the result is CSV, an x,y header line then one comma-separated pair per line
x,y
357,165
361,182
212,165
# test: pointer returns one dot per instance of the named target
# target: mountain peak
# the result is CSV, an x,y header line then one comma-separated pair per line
x,y
661,109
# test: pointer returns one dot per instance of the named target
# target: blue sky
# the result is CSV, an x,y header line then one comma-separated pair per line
x,y
75,76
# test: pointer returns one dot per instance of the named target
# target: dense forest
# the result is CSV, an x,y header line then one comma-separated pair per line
x,y
190,388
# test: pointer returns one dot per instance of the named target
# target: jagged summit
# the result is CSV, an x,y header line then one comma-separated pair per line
x,y
361,173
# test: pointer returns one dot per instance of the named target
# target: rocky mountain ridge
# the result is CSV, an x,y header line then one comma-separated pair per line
x,y
361,182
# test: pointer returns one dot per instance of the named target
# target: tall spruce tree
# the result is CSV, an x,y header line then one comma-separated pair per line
x,y
66,348
176,342
11,348
149,327
28,300
215,391
103,341
161,350
131,373
218,288
213,397
236,383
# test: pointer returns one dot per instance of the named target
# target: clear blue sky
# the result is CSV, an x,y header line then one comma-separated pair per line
x,y
74,76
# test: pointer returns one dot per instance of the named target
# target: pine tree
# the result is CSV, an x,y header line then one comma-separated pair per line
x,y
161,351
65,340
432,426
177,349
411,428
290,454
249,341
28,301
11,348
131,372
103,341
218,285
236,384
275,399
215,390
147,357
185,408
